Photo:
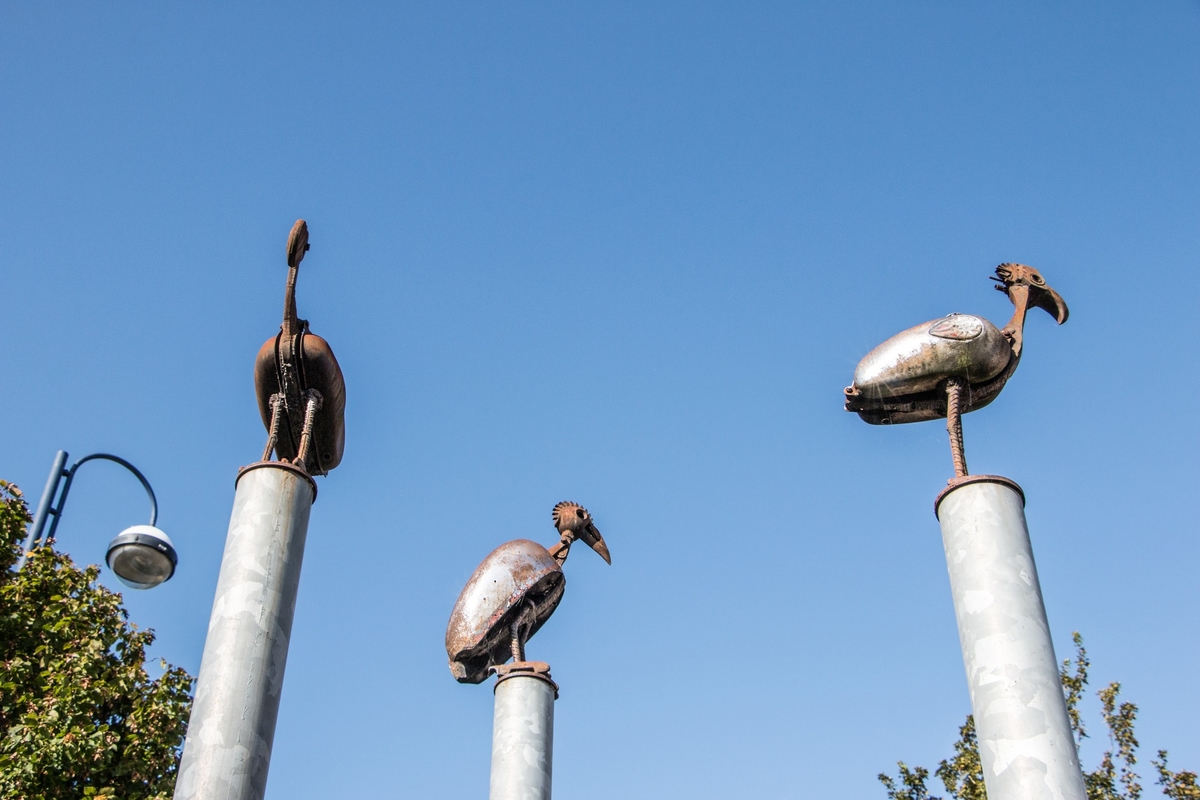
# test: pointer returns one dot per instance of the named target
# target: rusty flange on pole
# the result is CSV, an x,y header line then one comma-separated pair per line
x,y
946,368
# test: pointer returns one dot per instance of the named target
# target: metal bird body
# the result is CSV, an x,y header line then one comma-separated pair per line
x,y
300,388
511,595
905,378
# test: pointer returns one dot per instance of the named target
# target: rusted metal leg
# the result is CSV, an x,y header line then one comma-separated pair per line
x,y
273,437
518,631
954,390
518,646
312,404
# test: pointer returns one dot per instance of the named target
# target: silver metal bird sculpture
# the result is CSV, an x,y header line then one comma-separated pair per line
x,y
512,594
949,366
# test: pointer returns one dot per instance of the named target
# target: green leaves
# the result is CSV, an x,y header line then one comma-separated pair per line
x,y
912,784
79,716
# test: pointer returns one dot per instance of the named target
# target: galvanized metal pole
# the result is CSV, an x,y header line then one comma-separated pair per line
x,y
523,732
228,747
1025,740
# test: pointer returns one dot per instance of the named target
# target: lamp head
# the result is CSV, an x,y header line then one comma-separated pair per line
x,y
142,557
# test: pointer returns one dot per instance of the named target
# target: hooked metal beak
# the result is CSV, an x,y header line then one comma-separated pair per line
x,y
1051,302
592,538
297,243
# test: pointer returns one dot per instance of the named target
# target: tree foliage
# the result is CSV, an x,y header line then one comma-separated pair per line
x,y
1113,779
79,716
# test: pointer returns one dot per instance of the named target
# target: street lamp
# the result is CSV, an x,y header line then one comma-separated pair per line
x,y
142,556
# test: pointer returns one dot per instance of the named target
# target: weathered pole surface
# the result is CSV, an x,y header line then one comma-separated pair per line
x,y
228,747
523,733
1025,741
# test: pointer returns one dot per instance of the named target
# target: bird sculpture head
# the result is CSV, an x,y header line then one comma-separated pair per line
x,y
574,522
511,595
1026,288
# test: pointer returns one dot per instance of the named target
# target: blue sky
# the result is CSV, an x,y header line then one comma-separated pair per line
x,y
626,255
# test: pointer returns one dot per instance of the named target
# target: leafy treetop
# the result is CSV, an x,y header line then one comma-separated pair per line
x,y
79,716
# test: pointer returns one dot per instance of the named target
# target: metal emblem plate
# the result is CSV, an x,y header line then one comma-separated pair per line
x,y
957,326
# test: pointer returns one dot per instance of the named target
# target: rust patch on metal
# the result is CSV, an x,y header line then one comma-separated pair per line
x,y
524,669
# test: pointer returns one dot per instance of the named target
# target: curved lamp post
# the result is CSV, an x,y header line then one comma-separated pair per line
x,y
142,556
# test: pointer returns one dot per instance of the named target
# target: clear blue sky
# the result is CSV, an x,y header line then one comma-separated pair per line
x,y
627,256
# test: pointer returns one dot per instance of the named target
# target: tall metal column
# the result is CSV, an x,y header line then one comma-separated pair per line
x,y
1025,742
523,732
228,747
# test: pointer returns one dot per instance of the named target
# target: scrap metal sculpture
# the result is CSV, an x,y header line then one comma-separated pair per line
x,y
508,599
512,594
949,366
301,391
945,368
302,400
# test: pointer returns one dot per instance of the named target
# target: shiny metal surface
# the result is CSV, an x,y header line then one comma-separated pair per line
x,y
518,578
523,738
1025,740
228,747
920,358
906,378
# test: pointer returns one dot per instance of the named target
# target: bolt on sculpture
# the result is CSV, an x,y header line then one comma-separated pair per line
x,y
506,601
302,399
945,368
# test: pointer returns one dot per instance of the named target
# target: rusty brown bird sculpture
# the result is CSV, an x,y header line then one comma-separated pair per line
x,y
301,391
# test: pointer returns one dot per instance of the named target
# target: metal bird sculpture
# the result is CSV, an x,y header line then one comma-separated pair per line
x,y
301,391
512,594
947,367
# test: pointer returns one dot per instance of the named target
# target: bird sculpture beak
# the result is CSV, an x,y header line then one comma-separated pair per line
x,y
592,538
1051,302
297,243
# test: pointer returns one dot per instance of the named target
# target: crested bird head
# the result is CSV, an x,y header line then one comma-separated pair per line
x,y
574,522
1020,279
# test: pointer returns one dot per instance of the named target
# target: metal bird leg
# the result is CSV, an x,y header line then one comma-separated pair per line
x,y
954,392
518,632
312,404
273,437
518,644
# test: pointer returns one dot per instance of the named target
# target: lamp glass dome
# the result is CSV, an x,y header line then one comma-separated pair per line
x,y
142,557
